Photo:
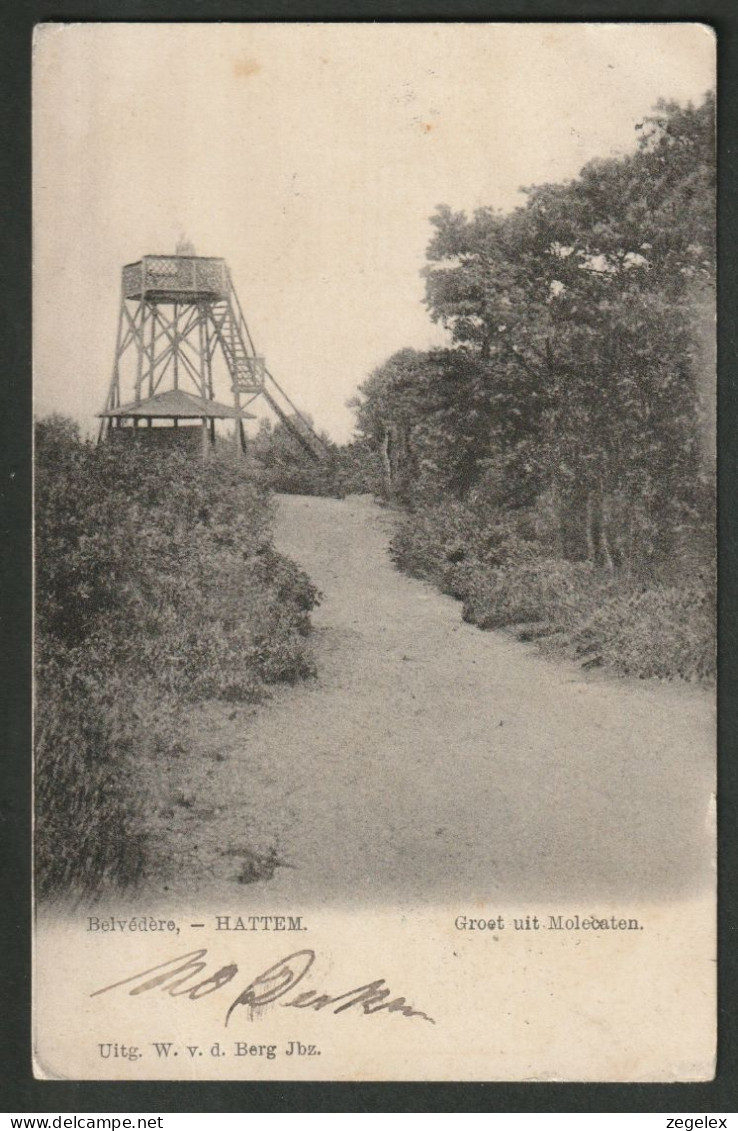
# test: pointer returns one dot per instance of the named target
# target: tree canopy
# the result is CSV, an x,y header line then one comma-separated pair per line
x,y
580,363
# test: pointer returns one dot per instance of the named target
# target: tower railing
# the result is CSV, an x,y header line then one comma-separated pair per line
x,y
176,277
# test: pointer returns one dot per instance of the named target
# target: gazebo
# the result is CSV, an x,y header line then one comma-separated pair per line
x,y
174,405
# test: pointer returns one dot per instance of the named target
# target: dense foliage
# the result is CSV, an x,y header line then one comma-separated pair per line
x,y
574,408
157,581
340,470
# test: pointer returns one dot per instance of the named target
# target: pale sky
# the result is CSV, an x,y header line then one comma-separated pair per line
x,y
310,157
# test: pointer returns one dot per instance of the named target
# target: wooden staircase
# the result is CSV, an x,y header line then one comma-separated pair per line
x,y
251,378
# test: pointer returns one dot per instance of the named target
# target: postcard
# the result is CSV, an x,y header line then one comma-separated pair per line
x,y
374,385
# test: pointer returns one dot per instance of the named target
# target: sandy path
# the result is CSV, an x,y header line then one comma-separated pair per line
x,y
430,758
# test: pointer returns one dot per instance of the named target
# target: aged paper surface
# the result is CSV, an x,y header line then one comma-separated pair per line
x,y
487,864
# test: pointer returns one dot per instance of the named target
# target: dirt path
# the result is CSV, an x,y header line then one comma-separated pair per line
x,y
432,759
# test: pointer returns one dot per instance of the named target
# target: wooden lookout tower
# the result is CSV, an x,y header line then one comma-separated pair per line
x,y
181,337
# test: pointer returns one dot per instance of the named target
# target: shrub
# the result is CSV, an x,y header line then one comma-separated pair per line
x,y
87,834
154,573
656,631
448,543
352,469
493,564
165,566
546,590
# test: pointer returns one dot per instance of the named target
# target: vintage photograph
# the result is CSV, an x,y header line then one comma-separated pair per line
x,y
374,399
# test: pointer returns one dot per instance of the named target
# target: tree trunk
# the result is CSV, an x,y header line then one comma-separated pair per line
x,y
607,560
589,529
384,452
558,517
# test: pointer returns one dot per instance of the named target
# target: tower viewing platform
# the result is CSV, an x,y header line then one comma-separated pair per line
x,y
176,278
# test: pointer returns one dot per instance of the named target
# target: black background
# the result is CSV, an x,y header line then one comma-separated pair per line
x,y
19,1091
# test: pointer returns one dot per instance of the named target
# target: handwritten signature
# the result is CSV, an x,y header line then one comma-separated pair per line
x,y
175,976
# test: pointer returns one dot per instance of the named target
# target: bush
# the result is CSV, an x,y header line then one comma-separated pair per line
x,y
657,631
165,566
492,563
154,573
451,542
548,591
284,467
87,835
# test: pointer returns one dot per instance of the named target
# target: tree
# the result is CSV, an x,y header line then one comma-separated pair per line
x,y
392,404
580,307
